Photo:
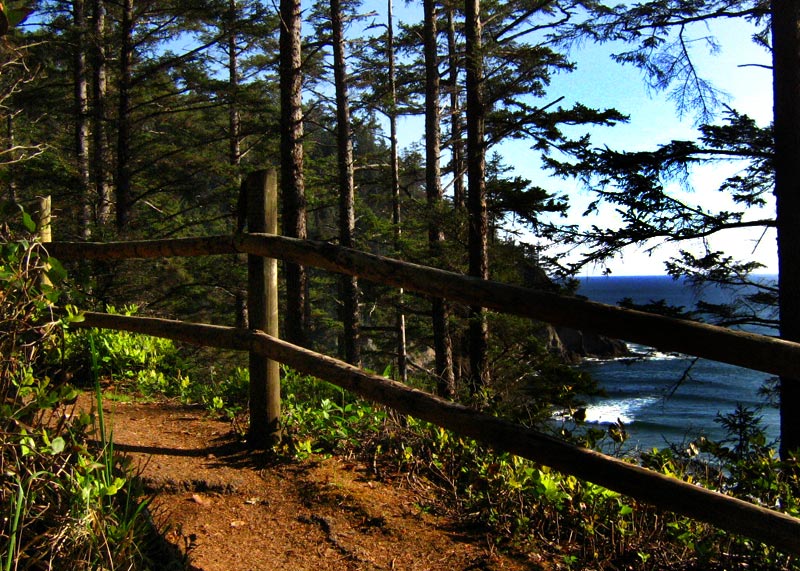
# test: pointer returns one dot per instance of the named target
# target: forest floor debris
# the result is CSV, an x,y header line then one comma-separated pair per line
x,y
226,508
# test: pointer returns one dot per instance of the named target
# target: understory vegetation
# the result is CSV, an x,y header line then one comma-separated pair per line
x,y
145,120
526,505
68,500
520,504
68,495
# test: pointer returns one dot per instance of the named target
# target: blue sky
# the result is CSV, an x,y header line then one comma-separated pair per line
x,y
737,69
654,120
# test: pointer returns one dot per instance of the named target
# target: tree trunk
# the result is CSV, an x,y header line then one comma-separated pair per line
x,y
101,160
123,182
400,318
347,217
786,90
292,182
445,383
82,118
456,127
476,199
458,339
234,145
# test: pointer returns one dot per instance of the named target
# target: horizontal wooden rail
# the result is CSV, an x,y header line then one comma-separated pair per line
x,y
758,352
671,494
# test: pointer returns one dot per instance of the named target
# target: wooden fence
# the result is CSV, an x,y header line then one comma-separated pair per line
x,y
744,349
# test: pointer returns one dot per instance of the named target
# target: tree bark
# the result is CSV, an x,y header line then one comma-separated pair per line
x,y
101,160
123,179
786,93
443,350
400,318
234,143
347,215
456,125
292,181
82,117
476,199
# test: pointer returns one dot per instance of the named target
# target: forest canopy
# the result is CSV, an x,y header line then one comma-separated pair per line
x,y
391,134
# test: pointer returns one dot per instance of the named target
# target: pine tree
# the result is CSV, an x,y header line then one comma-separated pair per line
x,y
81,82
786,86
400,318
441,336
101,160
347,217
292,177
476,192
635,181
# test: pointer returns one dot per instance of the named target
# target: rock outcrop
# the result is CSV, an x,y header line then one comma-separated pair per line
x,y
574,345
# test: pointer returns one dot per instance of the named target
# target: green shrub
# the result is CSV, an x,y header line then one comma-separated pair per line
x,y
119,354
65,502
525,503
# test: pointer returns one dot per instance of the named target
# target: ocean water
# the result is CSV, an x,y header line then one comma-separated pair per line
x,y
668,398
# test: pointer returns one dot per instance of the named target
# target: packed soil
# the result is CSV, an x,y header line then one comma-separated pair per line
x,y
221,508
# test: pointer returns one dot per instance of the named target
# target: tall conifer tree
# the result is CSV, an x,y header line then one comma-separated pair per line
x,y
786,97
347,217
292,179
443,349
476,192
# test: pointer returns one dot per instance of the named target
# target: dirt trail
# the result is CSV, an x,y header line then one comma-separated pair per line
x,y
236,512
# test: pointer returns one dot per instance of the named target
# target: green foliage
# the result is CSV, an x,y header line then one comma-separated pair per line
x,y
152,367
68,503
529,380
528,504
120,354
225,393
321,418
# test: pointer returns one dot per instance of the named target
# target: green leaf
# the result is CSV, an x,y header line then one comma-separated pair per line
x,y
56,273
113,488
27,446
57,445
52,296
28,222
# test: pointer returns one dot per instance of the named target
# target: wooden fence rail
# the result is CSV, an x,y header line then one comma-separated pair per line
x,y
672,494
739,348
750,350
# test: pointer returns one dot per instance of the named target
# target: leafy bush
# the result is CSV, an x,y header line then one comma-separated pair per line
x,y
321,418
120,354
66,503
525,503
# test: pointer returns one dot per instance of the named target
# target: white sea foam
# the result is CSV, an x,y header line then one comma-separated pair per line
x,y
638,353
661,356
624,410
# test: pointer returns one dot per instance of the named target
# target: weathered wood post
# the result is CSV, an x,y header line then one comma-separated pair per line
x,y
262,307
45,231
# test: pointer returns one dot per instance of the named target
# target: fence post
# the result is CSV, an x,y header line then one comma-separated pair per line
x,y
262,307
45,231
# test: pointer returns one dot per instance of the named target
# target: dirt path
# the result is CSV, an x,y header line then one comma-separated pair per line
x,y
234,512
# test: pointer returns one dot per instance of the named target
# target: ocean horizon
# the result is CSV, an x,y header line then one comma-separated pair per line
x,y
669,398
